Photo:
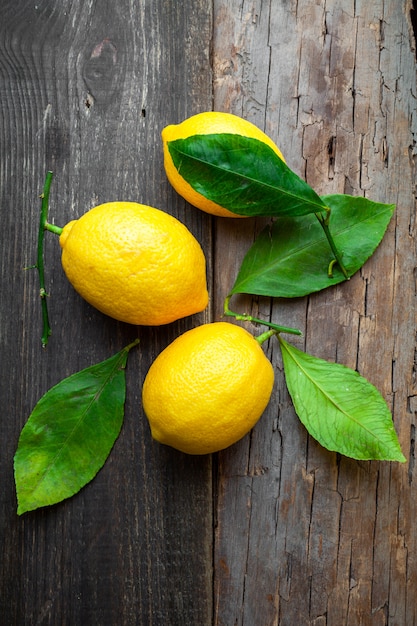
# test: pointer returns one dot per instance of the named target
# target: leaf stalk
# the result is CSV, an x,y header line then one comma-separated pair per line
x,y
134,343
324,222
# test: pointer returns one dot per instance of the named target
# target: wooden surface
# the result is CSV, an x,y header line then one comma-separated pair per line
x,y
275,530
305,536
86,89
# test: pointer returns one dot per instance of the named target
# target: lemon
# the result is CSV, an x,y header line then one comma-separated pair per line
x,y
207,123
207,389
135,263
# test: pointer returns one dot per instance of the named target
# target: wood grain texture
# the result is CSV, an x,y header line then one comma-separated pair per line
x,y
302,536
85,90
305,536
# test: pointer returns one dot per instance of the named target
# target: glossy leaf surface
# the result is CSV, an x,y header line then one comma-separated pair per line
x,y
70,433
291,257
340,409
243,175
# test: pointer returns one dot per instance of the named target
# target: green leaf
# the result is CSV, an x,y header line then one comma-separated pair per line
x,y
291,257
243,175
340,408
70,433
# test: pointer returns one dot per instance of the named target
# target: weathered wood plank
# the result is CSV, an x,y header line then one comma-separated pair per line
x,y
305,536
85,90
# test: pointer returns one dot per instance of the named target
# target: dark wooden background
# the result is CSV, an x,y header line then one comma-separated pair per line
x,y
275,530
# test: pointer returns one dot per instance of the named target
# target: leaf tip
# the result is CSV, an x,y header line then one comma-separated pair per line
x,y
21,507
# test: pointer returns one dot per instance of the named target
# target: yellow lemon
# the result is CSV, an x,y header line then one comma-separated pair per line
x,y
135,263
207,123
207,389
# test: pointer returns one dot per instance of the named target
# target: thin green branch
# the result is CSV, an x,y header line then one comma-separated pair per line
x,y
57,230
265,336
276,328
324,223
40,264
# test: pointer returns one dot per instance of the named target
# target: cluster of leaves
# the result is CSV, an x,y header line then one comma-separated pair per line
x,y
313,243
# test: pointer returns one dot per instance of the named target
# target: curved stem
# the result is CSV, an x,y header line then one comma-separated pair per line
x,y
332,263
39,264
265,336
324,222
57,230
276,328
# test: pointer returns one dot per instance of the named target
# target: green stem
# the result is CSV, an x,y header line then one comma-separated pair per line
x,y
324,222
131,345
265,336
39,264
276,328
332,263
57,230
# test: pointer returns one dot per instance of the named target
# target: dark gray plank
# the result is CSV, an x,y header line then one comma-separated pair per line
x,y
86,88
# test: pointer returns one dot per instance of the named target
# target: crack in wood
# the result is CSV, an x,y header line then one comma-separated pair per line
x,y
331,151
413,20
412,458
